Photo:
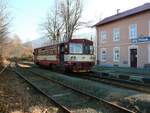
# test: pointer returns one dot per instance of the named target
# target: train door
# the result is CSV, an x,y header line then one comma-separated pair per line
x,y
62,49
35,54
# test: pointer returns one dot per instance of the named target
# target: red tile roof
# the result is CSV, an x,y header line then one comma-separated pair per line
x,y
127,13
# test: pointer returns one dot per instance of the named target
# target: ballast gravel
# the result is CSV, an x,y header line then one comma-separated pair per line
x,y
131,99
16,96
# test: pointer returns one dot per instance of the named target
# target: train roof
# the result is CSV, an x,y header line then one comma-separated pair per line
x,y
70,41
80,41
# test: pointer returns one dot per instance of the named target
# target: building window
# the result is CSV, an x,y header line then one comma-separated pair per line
x,y
133,31
116,54
116,34
103,54
103,36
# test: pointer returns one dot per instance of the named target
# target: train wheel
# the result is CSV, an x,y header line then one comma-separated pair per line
x,y
61,69
50,66
53,67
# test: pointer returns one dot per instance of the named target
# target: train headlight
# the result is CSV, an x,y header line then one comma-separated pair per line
x,y
74,57
92,57
71,57
66,46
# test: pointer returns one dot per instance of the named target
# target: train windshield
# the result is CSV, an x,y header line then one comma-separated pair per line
x,y
76,48
88,49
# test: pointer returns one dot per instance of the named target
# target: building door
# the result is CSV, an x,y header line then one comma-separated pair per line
x,y
133,57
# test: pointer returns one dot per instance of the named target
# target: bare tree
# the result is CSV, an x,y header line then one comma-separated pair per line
x,y
16,44
16,49
63,19
3,26
71,11
53,25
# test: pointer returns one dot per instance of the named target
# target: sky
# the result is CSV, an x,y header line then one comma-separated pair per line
x,y
27,15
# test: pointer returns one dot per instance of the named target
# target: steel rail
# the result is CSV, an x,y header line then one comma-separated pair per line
x,y
112,105
4,68
57,103
114,81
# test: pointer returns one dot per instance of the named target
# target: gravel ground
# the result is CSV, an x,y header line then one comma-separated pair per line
x,y
16,96
1,68
70,99
137,101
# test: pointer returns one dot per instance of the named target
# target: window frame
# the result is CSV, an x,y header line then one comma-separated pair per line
x,y
75,49
116,31
114,54
130,31
101,55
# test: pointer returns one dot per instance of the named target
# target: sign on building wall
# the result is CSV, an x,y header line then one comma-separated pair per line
x,y
141,40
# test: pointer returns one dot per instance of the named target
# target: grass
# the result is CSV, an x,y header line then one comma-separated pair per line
x,y
122,70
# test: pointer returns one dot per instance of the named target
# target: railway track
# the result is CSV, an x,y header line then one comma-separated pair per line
x,y
74,97
4,68
137,86
130,84
41,91
112,81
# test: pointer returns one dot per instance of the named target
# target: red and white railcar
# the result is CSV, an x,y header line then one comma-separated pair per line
x,y
76,55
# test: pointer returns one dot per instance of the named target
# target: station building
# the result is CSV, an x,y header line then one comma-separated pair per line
x,y
124,39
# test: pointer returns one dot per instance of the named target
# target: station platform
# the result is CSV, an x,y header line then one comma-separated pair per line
x,y
130,74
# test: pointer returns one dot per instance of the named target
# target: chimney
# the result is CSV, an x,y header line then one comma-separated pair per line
x,y
118,11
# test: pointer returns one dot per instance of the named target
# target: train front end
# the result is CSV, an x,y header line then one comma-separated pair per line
x,y
80,57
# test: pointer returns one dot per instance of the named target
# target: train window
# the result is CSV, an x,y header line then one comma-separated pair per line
x,y
62,49
91,49
75,48
86,49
